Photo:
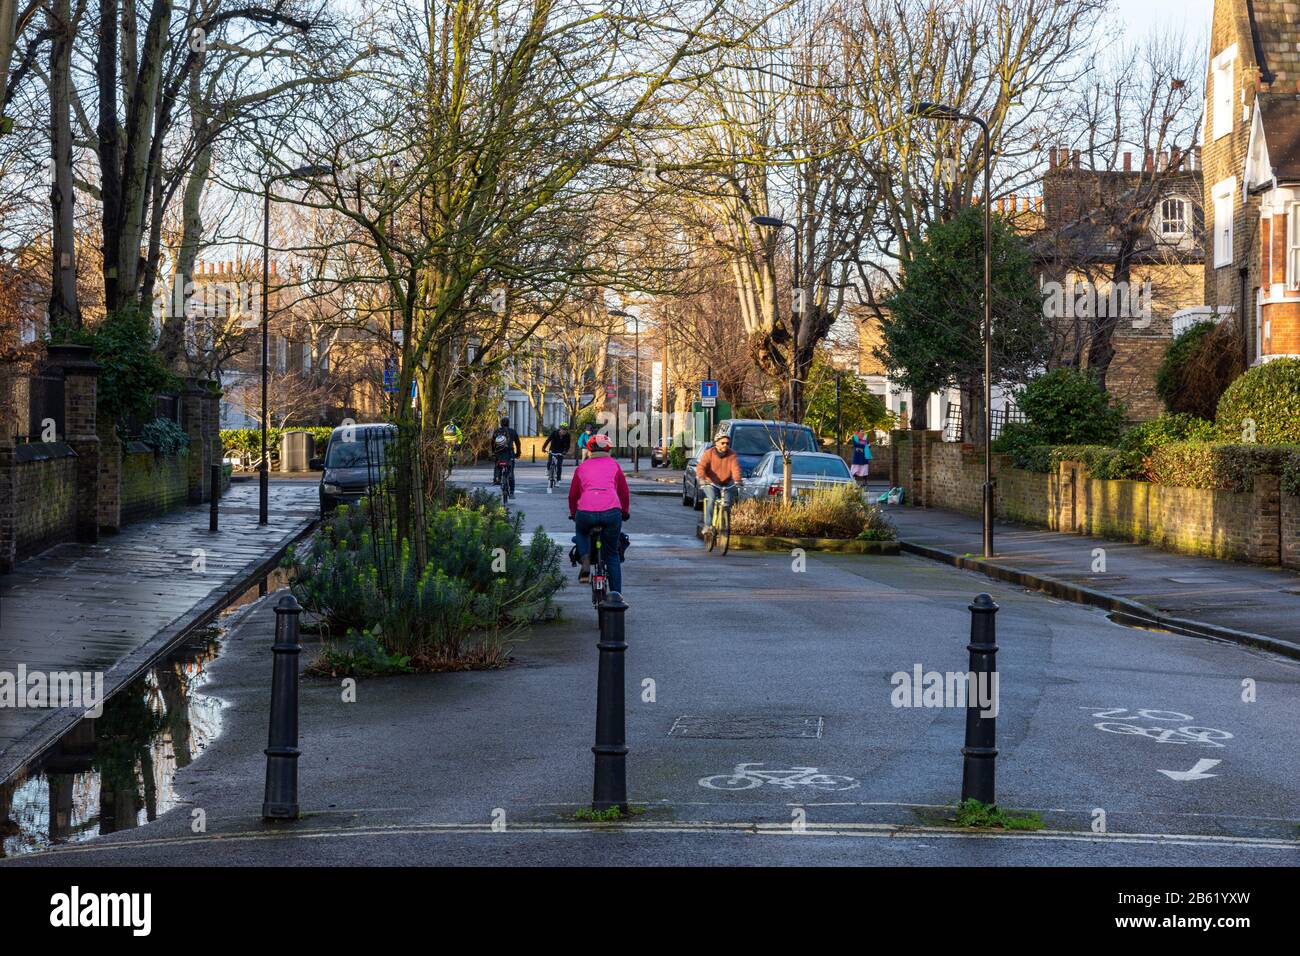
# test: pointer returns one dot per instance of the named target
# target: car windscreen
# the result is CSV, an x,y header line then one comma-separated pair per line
x,y
760,439
353,454
803,467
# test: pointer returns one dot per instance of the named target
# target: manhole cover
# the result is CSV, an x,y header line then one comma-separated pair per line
x,y
745,728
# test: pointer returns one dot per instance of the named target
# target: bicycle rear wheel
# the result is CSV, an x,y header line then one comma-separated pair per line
x,y
724,531
714,523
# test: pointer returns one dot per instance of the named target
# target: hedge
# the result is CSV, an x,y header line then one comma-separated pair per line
x,y
1223,466
249,440
1102,461
1263,405
1191,464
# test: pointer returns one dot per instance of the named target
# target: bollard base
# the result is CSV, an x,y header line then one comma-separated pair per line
x,y
279,811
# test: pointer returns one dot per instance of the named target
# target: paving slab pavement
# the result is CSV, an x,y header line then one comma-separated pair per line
x,y
111,607
1231,600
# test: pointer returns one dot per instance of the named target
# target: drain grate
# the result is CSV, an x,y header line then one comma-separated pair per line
x,y
746,728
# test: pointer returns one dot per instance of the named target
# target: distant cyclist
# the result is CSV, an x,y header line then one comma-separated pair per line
x,y
557,446
588,430
598,495
505,448
718,472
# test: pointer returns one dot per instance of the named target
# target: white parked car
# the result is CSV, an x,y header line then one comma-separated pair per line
x,y
809,471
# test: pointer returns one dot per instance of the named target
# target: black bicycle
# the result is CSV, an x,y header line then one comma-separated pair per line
x,y
554,462
599,569
506,472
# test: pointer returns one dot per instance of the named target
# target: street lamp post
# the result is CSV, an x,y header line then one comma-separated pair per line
x,y
947,113
777,223
264,471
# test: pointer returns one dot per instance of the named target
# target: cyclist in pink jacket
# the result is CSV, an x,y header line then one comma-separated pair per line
x,y
598,495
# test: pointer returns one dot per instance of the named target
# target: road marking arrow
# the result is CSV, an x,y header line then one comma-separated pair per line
x,y
1196,773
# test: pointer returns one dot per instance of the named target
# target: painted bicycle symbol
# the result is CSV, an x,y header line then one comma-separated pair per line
x,y
1184,734
747,776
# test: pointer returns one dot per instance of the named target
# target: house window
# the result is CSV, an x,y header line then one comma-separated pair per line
x,y
1222,79
1173,218
1293,245
1224,195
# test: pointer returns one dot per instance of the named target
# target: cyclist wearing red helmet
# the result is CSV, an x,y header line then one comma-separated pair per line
x,y
598,495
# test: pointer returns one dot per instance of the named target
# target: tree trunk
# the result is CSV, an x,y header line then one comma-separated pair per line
x,y
64,310
109,144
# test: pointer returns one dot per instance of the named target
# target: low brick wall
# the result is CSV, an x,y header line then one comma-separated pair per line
x,y
1261,526
152,484
45,496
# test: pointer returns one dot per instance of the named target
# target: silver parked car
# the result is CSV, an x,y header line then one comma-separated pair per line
x,y
809,471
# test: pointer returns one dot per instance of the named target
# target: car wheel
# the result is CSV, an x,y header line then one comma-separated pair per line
x,y
699,499
686,498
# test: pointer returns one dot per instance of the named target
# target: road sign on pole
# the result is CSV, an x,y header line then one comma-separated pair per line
x,y
708,393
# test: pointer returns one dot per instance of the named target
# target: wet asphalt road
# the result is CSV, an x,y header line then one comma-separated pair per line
x,y
775,668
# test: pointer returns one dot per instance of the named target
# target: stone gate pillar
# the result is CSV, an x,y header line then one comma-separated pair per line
x,y
8,476
80,376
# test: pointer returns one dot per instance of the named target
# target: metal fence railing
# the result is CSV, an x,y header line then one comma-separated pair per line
x,y
44,406
999,419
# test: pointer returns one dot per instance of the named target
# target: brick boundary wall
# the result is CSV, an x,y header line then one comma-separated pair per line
x,y
1261,526
152,484
45,496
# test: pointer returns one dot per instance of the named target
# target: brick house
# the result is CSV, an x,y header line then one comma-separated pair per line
x,y
1252,175
1083,227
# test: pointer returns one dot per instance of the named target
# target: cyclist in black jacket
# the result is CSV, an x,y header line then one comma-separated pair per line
x,y
505,448
557,445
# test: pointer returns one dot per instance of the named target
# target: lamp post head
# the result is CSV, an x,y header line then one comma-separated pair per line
x,y
310,171
932,110
767,221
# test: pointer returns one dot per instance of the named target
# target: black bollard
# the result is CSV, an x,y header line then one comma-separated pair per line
x,y
216,497
281,800
610,789
979,756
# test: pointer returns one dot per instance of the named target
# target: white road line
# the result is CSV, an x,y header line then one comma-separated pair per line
x,y
635,828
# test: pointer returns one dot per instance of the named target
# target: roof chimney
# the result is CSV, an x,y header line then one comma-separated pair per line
x,y
1150,163
1128,162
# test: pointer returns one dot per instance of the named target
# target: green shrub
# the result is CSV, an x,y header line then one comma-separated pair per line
x,y
1022,443
248,441
1102,461
1267,396
677,457
130,371
165,437
1169,427
839,511
1218,466
1069,407
1291,475
1197,366
451,613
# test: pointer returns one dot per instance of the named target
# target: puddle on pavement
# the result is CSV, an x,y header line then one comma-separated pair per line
x,y
116,772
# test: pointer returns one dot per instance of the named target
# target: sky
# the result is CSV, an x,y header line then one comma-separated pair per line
x,y
1144,16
